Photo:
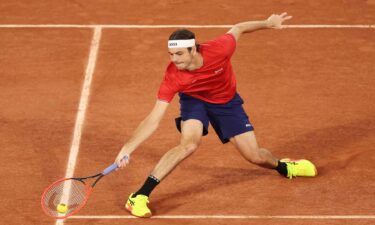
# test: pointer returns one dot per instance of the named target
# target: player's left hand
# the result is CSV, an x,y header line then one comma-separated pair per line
x,y
276,21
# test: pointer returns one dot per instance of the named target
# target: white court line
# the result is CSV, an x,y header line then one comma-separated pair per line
x,y
85,93
306,217
125,26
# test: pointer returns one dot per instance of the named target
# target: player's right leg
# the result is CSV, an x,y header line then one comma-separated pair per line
x,y
191,134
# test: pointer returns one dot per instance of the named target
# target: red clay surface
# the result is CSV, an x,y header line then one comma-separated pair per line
x,y
41,75
309,93
184,11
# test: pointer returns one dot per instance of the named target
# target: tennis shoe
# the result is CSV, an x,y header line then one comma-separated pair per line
x,y
137,205
300,168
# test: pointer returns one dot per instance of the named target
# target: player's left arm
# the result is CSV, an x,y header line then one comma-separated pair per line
x,y
274,21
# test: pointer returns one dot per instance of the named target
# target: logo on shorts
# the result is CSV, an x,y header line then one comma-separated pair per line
x,y
248,125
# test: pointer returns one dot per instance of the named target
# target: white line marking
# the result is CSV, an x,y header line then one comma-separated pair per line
x,y
85,93
129,26
309,217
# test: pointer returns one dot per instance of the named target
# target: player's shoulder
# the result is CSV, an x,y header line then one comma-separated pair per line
x,y
222,45
171,71
220,40
171,68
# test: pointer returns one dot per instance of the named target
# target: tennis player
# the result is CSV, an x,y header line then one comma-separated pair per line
x,y
202,76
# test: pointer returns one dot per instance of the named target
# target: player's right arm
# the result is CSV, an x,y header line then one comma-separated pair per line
x,y
143,131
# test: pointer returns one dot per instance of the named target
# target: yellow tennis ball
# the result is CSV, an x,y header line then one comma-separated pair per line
x,y
62,208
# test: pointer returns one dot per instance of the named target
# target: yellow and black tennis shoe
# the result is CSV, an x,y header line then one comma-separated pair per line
x,y
137,206
300,168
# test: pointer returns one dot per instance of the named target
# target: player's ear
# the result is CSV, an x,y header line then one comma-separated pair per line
x,y
194,50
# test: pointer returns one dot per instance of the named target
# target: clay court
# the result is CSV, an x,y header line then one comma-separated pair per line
x,y
77,77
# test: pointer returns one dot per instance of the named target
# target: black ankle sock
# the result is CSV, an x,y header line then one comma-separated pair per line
x,y
282,168
148,186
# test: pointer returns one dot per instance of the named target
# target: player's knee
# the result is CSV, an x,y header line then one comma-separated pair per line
x,y
189,148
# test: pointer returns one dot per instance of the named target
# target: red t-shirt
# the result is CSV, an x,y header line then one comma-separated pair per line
x,y
214,82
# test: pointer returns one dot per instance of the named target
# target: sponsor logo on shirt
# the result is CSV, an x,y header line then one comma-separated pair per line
x,y
219,70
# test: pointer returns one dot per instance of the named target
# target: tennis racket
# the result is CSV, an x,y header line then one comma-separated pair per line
x,y
67,196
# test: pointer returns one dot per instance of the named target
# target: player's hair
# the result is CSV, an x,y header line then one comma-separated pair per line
x,y
184,34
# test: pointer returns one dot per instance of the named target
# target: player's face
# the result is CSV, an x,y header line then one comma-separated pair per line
x,y
181,57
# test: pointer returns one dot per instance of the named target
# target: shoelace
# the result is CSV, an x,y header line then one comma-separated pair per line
x,y
292,172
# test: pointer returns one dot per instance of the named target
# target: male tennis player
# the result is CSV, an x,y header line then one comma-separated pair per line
x,y
203,77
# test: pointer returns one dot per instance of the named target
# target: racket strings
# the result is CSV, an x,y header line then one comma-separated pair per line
x,y
70,192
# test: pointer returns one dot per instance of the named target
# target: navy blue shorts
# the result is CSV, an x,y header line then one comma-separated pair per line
x,y
227,119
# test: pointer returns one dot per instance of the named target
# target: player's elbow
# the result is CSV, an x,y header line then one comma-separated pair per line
x,y
152,122
236,31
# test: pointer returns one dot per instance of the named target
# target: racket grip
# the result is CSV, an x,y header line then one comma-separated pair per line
x,y
109,169
112,167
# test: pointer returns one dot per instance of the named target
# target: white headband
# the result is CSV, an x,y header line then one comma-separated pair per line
x,y
181,43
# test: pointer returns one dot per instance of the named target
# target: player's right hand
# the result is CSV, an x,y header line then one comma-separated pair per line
x,y
122,159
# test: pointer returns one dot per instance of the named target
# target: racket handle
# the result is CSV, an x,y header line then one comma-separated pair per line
x,y
109,169
112,167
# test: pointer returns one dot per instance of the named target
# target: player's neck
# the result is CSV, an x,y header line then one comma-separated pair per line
x,y
197,62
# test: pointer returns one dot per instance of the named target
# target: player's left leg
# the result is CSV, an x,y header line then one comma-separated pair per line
x,y
231,123
247,145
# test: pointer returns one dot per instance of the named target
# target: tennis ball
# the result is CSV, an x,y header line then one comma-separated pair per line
x,y
62,208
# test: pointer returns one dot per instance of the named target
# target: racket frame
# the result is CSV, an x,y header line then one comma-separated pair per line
x,y
88,191
88,188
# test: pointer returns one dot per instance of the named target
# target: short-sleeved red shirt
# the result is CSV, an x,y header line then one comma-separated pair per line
x,y
214,82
